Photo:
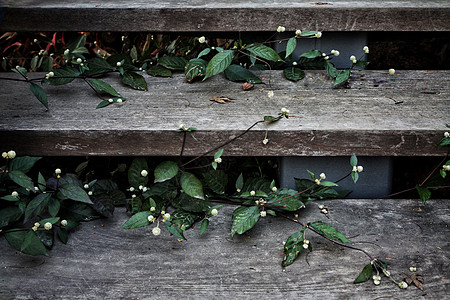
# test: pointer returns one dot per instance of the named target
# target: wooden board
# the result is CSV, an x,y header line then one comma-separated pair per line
x,y
364,119
102,261
238,15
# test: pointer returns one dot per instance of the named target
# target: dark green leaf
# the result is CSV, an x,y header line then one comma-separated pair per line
x,y
20,70
21,179
424,193
204,226
24,163
39,93
216,181
77,211
290,204
244,218
63,75
135,80
103,204
308,33
102,86
293,247
264,52
138,220
191,204
41,182
49,220
290,47
174,229
353,160
238,73
342,76
312,54
195,68
331,69
158,70
97,66
329,231
204,52
327,183
75,193
173,62
355,176
444,142
103,103
134,173
166,171
33,245
63,235
124,59
293,74
365,275
53,206
78,42
219,63
361,63
9,215
192,185
240,182
10,198
46,237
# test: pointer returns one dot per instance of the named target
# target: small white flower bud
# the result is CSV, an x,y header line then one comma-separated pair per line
x,y
66,52
366,49
294,63
48,226
79,60
281,29
355,169
306,242
252,193
391,71
446,167
86,186
15,194
335,52
274,189
90,193
133,196
144,173
201,39
144,189
270,94
446,134
326,57
322,176
151,218
377,282
156,231
58,171
214,212
318,35
36,188
263,213
305,246
324,211
123,38
11,154
119,64
353,58
321,206
110,100
163,212
238,190
119,100
141,187
37,224
413,269
63,222
360,168
34,228
265,141
5,155
403,285
166,216
218,160
131,189
298,32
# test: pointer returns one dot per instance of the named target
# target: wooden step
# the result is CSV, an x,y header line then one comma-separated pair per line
x,y
103,261
379,115
203,16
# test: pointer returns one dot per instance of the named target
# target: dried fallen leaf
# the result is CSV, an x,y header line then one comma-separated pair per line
x,y
221,100
416,279
247,86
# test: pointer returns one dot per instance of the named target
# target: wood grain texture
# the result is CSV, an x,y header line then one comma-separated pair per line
x,y
237,15
102,261
325,122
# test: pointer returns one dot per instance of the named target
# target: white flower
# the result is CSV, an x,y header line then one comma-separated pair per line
x,y
263,213
305,246
353,59
131,189
281,29
322,176
274,189
141,187
294,63
79,60
90,193
265,141
446,134
119,64
144,189
321,206
152,208
359,168
317,181
119,100
66,52
214,212
37,224
123,38
376,277
366,49
335,52
412,269
58,171
34,228
270,94
324,211
238,190
133,196
5,155
218,160
298,32
318,35
110,100
15,194
377,282
446,167
166,216
391,71
156,231
11,154
144,173
163,212
403,285
306,242
252,193
36,188
86,186
151,218
326,57
201,39
63,222
285,111
48,226
355,169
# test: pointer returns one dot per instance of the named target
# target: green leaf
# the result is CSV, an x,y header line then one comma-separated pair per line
x,y
289,204
264,52
20,70
424,193
53,206
361,63
329,231
192,185
204,226
174,229
173,62
39,93
34,62
293,247
24,163
195,68
70,72
135,80
353,160
290,47
238,73
42,184
216,181
191,204
166,171
78,42
102,86
33,245
244,218
240,182
443,173
138,220
97,66
331,69
62,234
135,179
204,52
218,154
103,103
9,215
307,33
75,193
293,74
10,198
328,183
219,63
49,220
21,179
355,176
444,142
312,54
158,70
342,76
365,275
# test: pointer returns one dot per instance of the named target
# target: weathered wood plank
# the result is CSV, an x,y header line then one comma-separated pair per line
x,y
329,122
199,15
103,261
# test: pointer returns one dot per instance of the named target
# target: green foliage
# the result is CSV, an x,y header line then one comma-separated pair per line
x,y
365,274
342,77
244,218
195,68
263,52
158,70
165,171
329,231
219,63
424,193
293,74
39,93
191,185
238,73
173,62
293,247
135,80
140,219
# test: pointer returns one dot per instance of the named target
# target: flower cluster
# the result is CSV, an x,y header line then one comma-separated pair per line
x,y
9,155
335,52
358,169
323,209
305,244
